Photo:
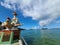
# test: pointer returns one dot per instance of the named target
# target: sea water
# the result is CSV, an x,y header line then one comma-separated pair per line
x,y
42,37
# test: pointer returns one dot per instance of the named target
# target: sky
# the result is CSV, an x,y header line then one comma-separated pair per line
x,y
32,13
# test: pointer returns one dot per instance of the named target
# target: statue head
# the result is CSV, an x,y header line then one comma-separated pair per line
x,y
14,13
8,19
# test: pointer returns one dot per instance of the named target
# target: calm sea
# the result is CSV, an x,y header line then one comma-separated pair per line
x,y
42,37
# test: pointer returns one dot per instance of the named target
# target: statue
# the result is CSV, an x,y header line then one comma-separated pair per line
x,y
15,21
7,24
11,23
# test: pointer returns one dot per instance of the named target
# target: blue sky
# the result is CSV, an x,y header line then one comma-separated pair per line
x,y
32,13
26,21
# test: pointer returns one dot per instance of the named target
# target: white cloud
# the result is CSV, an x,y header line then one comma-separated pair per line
x,y
58,21
10,4
46,11
7,5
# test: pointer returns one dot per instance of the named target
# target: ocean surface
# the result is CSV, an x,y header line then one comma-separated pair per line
x,y
42,37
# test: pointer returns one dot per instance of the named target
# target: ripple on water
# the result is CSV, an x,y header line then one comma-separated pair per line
x,y
42,37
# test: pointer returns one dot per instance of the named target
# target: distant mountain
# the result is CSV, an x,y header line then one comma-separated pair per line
x,y
55,28
21,29
34,29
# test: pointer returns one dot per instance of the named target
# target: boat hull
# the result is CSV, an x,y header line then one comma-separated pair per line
x,y
9,36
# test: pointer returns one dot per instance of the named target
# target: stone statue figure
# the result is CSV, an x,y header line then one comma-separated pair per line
x,y
7,23
15,21
11,23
